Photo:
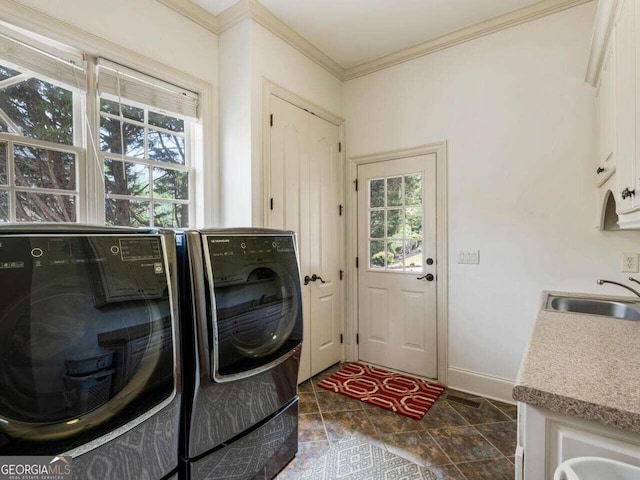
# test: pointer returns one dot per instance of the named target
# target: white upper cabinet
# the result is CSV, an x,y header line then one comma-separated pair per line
x,y
614,67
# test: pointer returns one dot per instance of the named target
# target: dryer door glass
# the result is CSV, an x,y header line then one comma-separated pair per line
x,y
86,340
258,311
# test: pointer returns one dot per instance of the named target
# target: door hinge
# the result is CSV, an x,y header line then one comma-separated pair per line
x,y
341,274
340,338
339,146
271,120
357,262
355,182
271,204
340,208
357,339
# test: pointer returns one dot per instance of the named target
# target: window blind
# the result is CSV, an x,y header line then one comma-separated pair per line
x,y
117,82
44,62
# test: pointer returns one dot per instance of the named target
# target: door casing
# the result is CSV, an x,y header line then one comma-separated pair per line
x,y
440,150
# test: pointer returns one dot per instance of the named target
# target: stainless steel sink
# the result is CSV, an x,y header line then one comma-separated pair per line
x,y
591,306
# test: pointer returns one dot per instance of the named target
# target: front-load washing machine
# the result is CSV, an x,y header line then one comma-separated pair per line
x,y
242,337
89,351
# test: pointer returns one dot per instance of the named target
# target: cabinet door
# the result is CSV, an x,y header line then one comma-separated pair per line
x,y
550,438
606,130
625,105
567,442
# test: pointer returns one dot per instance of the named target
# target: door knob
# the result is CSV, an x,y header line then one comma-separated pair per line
x,y
428,277
429,261
312,278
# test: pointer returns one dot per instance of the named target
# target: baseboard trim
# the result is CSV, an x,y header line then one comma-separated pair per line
x,y
476,383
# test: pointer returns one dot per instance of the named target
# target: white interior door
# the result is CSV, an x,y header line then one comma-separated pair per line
x,y
290,195
325,187
396,274
306,189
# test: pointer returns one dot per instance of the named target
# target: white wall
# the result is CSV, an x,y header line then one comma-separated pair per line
x,y
520,125
235,125
275,60
143,26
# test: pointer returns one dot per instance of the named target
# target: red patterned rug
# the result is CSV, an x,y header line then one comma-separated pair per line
x,y
399,393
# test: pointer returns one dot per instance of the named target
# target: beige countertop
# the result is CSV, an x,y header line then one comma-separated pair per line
x,y
587,366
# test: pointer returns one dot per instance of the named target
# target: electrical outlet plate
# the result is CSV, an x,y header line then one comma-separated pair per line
x,y
629,262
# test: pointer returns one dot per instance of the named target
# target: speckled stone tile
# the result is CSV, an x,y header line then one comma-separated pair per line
x,y
417,447
457,393
311,428
386,421
341,425
464,444
446,472
324,374
510,410
485,413
502,435
308,403
305,387
442,414
308,453
596,379
336,402
498,469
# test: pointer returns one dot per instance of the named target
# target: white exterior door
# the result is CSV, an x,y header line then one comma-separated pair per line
x,y
306,190
396,274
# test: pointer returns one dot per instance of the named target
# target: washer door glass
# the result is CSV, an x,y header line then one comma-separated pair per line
x,y
85,338
258,314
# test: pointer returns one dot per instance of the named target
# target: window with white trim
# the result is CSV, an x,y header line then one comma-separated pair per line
x,y
40,150
145,129
141,140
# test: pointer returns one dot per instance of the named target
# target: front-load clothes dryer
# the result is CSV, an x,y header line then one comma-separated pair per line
x,y
242,337
89,349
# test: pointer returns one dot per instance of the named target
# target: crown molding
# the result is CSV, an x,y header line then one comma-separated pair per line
x,y
254,10
233,15
193,12
493,25
602,29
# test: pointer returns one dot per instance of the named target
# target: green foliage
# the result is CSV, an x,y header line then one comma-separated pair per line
x,y
132,179
41,111
378,259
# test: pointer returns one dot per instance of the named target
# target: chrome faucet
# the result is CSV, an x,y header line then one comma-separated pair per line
x,y
635,292
634,280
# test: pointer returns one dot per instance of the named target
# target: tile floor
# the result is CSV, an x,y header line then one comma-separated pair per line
x,y
462,437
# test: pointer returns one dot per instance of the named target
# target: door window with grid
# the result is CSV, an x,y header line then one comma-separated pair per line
x,y
395,224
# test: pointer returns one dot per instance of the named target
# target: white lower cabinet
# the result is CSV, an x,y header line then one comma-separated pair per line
x,y
546,439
